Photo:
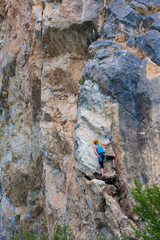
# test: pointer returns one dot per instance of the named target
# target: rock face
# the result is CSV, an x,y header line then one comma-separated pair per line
x,y
119,91
49,118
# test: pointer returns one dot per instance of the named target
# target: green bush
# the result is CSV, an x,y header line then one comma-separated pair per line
x,y
44,238
26,236
147,207
114,238
61,233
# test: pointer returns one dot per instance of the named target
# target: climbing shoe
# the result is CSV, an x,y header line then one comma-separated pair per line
x,y
114,169
102,178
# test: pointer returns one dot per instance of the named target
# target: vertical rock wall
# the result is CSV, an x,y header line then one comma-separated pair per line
x,y
21,161
48,170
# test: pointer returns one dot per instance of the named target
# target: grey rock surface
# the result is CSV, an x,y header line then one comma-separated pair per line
x,y
150,2
156,18
108,30
116,87
135,5
150,44
122,18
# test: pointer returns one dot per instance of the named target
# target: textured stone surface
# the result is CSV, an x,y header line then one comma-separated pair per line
x,y
149,44
49,172
43,55
135,5
156,24
150,2
116,102
122,19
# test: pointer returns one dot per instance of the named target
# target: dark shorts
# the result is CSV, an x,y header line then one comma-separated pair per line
x,y
102,157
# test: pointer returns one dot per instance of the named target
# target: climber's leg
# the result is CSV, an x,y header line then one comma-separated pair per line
x,y
100,159
102,171
114,161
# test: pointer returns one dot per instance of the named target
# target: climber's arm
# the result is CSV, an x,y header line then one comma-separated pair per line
x,y
95,151
105,144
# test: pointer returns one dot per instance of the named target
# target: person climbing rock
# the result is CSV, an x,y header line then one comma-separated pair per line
x,y
98,150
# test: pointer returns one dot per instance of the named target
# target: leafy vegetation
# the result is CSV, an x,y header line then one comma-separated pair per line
x,y
147,207
61,233
149,9
26,236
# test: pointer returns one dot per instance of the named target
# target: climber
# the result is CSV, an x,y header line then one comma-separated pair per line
x,y
98,150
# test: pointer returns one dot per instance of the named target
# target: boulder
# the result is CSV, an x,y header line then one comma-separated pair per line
x,y
135,5
156,24
122,18
108,31
150,44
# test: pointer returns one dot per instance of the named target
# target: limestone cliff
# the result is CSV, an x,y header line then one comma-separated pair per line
x,y
72,71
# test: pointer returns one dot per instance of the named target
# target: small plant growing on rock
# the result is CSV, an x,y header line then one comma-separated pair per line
x,y
141,10
82,81
92,52
149,7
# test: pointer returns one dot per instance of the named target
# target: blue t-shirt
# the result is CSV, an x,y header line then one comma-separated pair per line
x,y
99,149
